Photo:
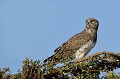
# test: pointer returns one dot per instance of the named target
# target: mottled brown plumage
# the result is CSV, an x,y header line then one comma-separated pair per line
x,y
76,45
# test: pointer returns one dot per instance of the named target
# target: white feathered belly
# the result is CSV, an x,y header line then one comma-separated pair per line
x,y
84,50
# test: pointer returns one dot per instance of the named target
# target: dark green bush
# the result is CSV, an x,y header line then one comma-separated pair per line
x,y
86,68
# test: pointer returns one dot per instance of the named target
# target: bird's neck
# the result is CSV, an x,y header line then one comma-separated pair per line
x,y
91,30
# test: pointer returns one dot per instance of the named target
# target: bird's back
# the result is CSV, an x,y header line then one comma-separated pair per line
x,y
68,49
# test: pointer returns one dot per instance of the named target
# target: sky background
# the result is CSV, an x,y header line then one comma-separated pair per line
x,y
34,28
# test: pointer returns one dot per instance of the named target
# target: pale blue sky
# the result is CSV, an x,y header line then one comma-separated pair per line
x,y
34,28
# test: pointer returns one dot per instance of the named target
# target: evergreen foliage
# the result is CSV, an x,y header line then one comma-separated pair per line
x,y
89,67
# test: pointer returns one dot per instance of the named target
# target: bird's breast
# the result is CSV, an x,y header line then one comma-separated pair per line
x,y
84,50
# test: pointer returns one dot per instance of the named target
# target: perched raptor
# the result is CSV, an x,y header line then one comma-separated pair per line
x,y
77,46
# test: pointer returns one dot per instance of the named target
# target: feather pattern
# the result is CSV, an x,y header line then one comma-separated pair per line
x,y
78,45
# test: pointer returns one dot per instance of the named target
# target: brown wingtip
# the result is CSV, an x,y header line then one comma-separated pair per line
x,y
48,59
59,48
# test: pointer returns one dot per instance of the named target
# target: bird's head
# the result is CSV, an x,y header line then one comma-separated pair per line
x,y
92,24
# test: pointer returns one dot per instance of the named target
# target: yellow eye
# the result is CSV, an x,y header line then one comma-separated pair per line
x,y
92,21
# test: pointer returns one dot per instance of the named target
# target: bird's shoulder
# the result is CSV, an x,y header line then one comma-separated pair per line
x,y
79,39
75,42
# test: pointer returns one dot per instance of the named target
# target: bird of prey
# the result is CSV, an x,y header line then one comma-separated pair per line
x,y
78,46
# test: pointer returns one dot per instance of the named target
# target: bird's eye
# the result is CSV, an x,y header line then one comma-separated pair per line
x,y
87,22
92,21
